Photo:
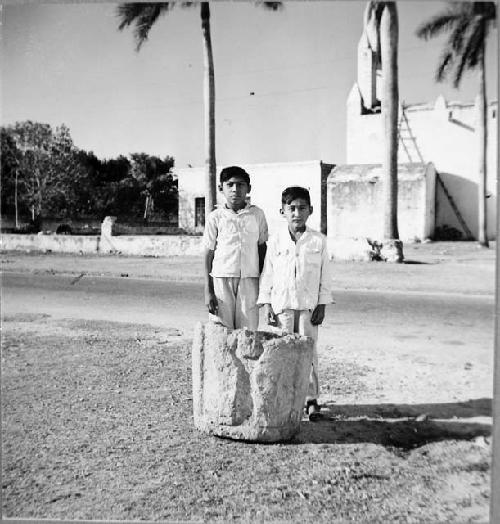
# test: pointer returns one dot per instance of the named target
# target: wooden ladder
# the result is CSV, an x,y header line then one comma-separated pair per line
x,y
465,227
408,136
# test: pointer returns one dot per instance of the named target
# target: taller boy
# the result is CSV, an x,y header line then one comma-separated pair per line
x,y
235,246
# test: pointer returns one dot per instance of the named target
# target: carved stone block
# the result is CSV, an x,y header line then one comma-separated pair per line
x,y
249,385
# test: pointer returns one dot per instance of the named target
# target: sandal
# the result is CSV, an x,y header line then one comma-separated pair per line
x,y
313,410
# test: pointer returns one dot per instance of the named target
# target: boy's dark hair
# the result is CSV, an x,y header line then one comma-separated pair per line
x,y
294,192
229,172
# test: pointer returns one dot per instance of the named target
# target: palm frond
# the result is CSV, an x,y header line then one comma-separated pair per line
x,y
270,6
467,25
487,10
142,15
472,51
444,65
437,25
461,34
478,40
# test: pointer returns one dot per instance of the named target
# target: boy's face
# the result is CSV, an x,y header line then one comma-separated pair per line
x,y
235,191
296,213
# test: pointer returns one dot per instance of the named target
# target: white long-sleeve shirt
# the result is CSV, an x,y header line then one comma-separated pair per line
x,y
296,275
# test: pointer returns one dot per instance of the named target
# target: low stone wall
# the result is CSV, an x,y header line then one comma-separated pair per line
x,y
126,229
57,243
159,246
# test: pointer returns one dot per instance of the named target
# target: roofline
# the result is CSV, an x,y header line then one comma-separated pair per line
x,y
260,164
429,106
424,164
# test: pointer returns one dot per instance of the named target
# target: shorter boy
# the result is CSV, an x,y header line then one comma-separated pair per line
x,y
295,284
235,245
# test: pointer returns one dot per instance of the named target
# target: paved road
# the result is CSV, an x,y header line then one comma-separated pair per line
x,y
418,346
450,318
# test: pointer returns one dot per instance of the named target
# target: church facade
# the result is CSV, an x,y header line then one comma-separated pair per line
x,y
440,132
438,152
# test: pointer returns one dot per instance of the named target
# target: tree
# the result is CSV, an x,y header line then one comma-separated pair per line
x,y
150,173
87,195
43,173
65,174
468,25
381,21
10,160
143,16
46,167
34,140
113,192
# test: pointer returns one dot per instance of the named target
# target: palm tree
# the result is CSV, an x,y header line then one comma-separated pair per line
x,y
468,25
143,15
381,22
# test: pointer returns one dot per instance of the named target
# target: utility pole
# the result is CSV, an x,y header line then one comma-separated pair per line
x,y
15,198
495,466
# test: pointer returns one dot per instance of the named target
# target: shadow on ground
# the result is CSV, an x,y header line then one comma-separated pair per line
x,y
481,407
404,426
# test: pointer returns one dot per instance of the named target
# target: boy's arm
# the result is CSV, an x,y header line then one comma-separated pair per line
x,y
209,241
265,288
210,299
325,283
263,237
266,280
262,248
325,288
318,315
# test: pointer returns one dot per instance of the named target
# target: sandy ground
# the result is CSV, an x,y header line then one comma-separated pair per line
x,y
97,414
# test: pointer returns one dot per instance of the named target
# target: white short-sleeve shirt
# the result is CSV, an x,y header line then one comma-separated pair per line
x,y
234,236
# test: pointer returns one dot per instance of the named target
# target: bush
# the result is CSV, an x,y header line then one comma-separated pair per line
x,y
64,229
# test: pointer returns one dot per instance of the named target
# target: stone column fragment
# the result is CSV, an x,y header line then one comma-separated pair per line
x,y
249,385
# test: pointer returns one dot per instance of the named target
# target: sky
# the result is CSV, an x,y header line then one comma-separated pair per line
x,y
282,78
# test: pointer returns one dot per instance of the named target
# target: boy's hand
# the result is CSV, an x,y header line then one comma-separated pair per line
x,y
211,302
269,315
318,315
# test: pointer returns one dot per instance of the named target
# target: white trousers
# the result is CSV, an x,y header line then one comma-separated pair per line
x,y
237,302
299,321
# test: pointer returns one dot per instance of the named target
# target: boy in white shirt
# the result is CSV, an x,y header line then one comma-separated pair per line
x,y
235,245
295,284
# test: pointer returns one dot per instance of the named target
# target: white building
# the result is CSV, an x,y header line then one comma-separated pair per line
x,y
355,201
267,181
440,133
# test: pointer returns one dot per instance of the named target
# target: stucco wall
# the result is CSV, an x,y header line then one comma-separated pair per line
x,y
152,245
267,180
445,136
57,243
355,203
126,245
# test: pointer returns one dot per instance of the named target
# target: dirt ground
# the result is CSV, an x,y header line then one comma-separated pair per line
x,y
97,417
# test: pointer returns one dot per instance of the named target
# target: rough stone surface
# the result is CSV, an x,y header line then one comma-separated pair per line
x,y
249,385
365,250
350,249
392,251
107,226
